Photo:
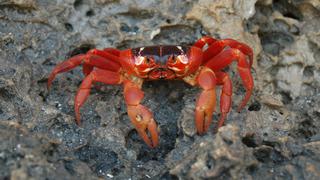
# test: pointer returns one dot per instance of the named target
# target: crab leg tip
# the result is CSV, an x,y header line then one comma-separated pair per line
x,y
153,131
222,119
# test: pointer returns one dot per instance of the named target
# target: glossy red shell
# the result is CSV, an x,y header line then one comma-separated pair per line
x,y
161,62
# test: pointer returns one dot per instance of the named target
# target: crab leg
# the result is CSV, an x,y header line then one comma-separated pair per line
x,y
108,53
225,97
113,51
87,68
203,41
97,75
89,59
206,102
224,58
218,46
140,116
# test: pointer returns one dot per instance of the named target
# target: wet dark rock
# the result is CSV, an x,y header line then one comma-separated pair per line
x,y
222,155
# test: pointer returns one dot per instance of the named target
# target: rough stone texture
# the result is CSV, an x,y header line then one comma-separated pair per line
x,y
276,137
211,156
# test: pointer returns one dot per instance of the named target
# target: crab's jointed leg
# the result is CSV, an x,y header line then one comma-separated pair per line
x,y
97,75
218,46
203,41
140,116
225,97
113,51
90,60
224,58
87,68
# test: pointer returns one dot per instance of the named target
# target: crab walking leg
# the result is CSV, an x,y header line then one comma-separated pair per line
x,y
97,75
203,41
92,60
112,51
87,68
218,46
224,58
225,97
140,116
206,102
108,53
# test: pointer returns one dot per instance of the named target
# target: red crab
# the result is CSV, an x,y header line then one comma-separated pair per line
x,y
198,65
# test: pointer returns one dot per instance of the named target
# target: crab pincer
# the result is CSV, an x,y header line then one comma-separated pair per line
x,y
206,101
140,116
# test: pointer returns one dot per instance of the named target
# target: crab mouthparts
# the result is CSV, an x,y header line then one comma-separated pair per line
x,y
161,73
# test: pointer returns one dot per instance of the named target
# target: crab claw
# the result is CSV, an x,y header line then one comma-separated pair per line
x,y
206,102
204,110
142,118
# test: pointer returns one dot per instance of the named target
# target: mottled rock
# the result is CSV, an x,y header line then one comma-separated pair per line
x,y
223,155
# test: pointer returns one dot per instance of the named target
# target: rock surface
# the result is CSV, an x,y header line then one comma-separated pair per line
x,y
276,137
